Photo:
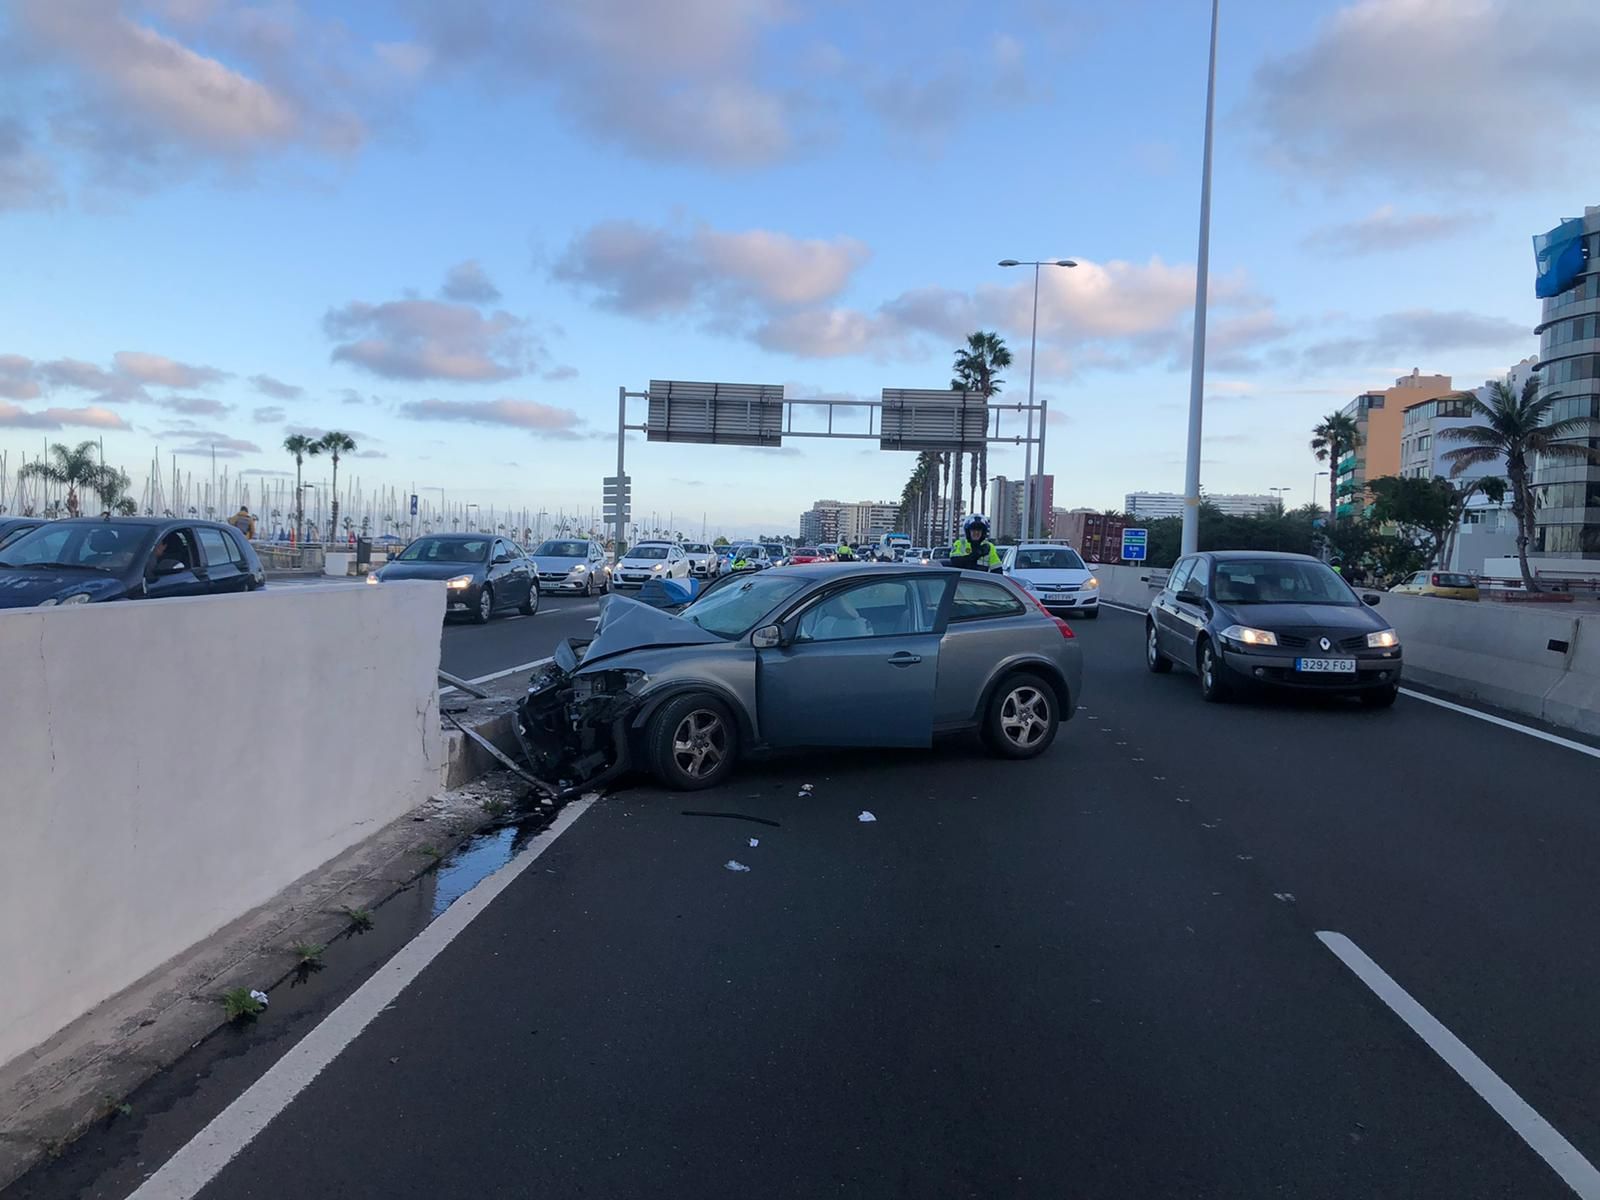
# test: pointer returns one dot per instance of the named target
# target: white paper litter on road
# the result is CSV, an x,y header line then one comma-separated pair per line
x,y
755,841
866,816
259,997
734,864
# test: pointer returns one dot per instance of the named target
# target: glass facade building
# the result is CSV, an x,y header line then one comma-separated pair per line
x,y
1568,490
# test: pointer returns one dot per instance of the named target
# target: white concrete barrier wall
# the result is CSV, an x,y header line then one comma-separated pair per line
x,y
141,810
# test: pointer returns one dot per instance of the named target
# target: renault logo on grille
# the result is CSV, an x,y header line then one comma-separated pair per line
x,y
1325,644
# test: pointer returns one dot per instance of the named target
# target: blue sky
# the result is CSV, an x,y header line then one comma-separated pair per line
x,y
455,230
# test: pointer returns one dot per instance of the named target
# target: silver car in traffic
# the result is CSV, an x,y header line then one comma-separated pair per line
x,y
820,655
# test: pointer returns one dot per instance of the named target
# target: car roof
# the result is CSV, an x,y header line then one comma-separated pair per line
x,y
1229,555
138,522
855,570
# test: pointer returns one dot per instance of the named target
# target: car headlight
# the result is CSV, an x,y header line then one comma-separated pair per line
x,y
1091,582
1246,636
50,603
658,566
1384,639
578,570
77,598
459,582
1026,583
372,577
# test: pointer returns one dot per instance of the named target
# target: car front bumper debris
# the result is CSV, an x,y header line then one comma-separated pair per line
x,y
573,727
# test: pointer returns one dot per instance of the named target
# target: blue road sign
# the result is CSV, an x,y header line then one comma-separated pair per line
x,y
413,504
1134,543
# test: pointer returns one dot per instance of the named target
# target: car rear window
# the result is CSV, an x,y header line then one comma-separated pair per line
x,y
976,600
1450,579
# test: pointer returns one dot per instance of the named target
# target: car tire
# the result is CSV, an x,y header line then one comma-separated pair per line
x,y
1157,662
530,606
485,609
1090,614
1380,697
683,734
1214,687
1024,715
588,586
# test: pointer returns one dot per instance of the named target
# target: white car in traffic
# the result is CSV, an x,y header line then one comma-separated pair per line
x,y
1057,575
650,560
704,561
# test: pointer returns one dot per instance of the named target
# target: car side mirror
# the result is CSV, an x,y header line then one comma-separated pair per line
x,y
767,637
1372,599
501,559
1189,596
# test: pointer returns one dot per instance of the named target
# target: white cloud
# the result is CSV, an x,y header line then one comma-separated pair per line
x,y
430,339
467,281
1419,331
543,419
14,416
1436,93
666,81
1385,229
162,371
276,388
267,416
17,380
195,406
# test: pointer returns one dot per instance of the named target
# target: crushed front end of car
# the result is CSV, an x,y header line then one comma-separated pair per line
x,y
573,727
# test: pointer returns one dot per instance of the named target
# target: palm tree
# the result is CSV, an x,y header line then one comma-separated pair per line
x,y
977,368
299,445
75,467
1515,428
1331,439
334,443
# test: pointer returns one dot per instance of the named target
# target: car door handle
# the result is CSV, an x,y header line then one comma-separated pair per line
x,y
904,659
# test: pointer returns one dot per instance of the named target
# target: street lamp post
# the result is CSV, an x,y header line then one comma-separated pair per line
x,y
1033,347
472,521
1279,491
1197,363
1314,479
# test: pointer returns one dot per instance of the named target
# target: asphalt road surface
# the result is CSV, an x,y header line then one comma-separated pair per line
x,y
1097,974
509,640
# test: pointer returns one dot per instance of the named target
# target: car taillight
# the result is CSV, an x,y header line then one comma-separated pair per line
x,y
1066,630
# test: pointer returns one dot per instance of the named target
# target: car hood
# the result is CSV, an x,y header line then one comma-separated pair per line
x,y
1051,574
1357,618
24,587
644,564
626,624
421,570
553,562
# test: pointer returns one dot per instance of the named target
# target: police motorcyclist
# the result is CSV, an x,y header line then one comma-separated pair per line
x,y
973,548
740,562
845,553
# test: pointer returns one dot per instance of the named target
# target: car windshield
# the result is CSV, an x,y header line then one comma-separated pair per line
x,y
446,550
747,552
1048,558
1278,581
733,610
648,552
806,552
562,549
696,548
93,546
774,549
13,535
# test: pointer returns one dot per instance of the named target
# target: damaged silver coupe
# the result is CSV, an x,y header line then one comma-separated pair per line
x,y
800,656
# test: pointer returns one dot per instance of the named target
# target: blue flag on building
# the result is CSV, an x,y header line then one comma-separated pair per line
x,y
1559,257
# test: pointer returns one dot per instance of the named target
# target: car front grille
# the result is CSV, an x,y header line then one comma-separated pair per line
x,y
1292,641
1358,642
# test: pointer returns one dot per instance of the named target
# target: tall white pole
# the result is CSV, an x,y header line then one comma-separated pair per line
x,y
1026,532
1197,365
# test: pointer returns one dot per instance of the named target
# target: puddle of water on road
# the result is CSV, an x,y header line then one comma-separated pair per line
x,y
481,855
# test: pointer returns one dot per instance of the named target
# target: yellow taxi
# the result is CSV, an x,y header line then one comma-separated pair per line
x,y
1451,584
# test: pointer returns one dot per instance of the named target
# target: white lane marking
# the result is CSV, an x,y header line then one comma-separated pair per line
x,y
204,1156
538,662
1567,743
1553,739
1576,1171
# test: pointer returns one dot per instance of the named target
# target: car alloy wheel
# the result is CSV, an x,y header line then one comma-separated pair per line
x,y
1153,658
1024,716
700,743
1212,684
485,605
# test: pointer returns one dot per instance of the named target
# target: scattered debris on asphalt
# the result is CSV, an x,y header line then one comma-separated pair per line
x,y
734,864
1286,897
258,996
866,816
734,816
754,842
